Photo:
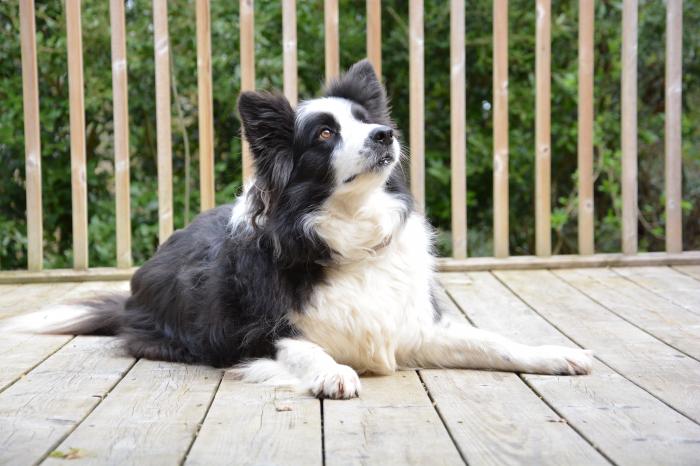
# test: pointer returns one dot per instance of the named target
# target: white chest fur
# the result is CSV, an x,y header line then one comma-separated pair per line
x,y
373,310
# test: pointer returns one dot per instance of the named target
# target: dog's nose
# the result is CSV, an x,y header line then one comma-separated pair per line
x,y
382,135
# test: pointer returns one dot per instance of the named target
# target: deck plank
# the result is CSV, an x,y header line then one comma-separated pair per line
x,y
691,270
150,417
32,297
20,353
495,418
392,423
624,421
257,424
41,408
670,284
668,322
668,374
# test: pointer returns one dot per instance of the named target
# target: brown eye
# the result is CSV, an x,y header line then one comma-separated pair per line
x,y
325,134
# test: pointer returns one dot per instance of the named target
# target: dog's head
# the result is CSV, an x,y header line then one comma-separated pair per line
x,y
341,145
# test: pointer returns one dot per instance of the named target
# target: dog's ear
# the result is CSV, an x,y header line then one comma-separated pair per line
x,y
268,126
360,84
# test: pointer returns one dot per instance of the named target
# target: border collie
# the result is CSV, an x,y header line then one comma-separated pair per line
x,y
321,269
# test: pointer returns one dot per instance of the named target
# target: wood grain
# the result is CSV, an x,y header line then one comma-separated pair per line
x,y
41,408
690,270
458,117
666,373
206,106
629,126
150,417
332,38
500,129
247,32
621,419
258,424
32,136
672,285
120,98
586,219
289,49
543,149
74,44
416,101
163,125
374,35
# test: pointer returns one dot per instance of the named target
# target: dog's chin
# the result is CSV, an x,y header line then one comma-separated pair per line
x,y
377,169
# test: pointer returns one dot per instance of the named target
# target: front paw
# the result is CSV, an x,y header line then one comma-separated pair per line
x,y
560,360
339,382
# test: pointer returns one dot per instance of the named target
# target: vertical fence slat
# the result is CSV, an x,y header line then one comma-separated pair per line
x,y
32,141
121,133
332,40
206,106
374,34
77,134
417,101
163,125
586,242
674,85
289,48
247,24
500,128
543,156
457,130
629,127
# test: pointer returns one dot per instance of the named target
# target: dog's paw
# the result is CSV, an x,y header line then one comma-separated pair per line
x,y
560,360
339,382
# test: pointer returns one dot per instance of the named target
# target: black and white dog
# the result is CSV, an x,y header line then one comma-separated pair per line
x,y
321,269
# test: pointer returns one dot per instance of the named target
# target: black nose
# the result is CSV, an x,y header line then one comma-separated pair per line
x,y
382,135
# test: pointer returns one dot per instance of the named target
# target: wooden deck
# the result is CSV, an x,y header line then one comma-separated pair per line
x,y
81,399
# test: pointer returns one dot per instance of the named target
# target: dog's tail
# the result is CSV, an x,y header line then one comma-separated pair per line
x,y
99,316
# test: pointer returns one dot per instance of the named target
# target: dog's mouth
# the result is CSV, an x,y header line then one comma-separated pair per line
x,y
385,160
376,165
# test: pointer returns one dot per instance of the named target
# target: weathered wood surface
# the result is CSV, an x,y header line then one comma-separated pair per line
x,y
670,284
665,372
259,425
668,322
690,270
40,409
393,423
150,417
624,421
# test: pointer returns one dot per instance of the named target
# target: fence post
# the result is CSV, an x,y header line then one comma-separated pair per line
x,y
458,130
500,128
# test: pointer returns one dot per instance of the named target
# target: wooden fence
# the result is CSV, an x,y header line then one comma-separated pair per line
x,y
543,258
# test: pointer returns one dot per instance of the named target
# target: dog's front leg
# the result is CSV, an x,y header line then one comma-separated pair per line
x,y
317,370
458,345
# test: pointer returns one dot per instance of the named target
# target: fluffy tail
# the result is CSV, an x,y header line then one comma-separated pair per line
x,y
99,316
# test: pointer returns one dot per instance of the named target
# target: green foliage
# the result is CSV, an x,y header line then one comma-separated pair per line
x,y
53,89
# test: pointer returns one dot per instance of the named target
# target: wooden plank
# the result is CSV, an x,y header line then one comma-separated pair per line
x,y
666,373
247,32
332,39
65,275
629,126
675,287
164,142
671,324
495,418
20,353
586,219
74,43
121,133
500,129
150,417
258,424
374,35
32,297
690,270
622,420
566,261
543,152
458,117
32,137
417,101
392,423
206,107
41,408
672,117
289,49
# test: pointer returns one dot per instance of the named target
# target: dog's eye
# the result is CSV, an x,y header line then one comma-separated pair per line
x,y
325,134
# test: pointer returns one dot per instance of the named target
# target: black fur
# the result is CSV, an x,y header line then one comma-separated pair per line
x,y
216,293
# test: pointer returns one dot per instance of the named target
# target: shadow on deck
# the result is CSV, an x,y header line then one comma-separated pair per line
x,y
81,399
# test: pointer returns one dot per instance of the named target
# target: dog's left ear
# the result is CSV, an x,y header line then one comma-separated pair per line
x,y
360,84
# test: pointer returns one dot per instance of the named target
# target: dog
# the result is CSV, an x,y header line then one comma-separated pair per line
x,y
321,270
